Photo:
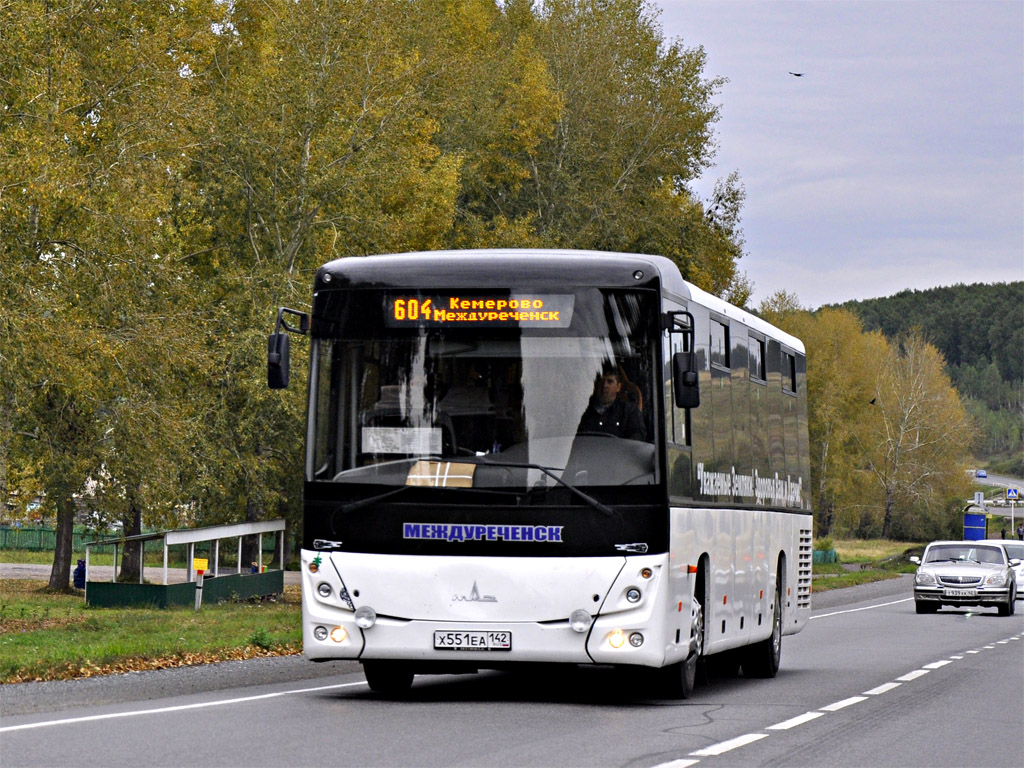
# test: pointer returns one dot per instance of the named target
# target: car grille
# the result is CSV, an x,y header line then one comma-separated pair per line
x,y
954,579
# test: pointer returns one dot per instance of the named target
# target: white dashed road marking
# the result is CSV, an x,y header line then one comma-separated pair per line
x,y
741,741
806,717
844,703
726,746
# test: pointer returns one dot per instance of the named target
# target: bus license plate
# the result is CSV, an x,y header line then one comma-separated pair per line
x,y
471,640
960,593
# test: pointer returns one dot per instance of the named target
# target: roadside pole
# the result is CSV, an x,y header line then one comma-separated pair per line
x,y
200,564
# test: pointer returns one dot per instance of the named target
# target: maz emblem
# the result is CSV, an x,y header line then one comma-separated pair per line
x,y
475,597
631,547
325,544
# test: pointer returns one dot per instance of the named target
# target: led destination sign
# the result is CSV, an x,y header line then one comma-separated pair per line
x,y
521,310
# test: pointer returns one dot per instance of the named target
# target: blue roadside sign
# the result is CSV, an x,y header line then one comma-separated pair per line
x,y
974,527
1013,494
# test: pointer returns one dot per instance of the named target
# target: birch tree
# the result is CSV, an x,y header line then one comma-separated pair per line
x,y
923,436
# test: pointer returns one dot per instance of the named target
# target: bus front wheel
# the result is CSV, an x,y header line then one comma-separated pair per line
x,y
387,677
679,678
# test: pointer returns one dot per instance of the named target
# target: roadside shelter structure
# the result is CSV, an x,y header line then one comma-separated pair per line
x,y
243,583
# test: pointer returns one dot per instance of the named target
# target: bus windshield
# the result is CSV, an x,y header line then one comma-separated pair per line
x,y
404,396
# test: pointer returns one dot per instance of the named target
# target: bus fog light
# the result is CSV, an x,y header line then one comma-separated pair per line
x,y
636,639
633,595
366,617
579,620
320,633
617,638
339,634
323,589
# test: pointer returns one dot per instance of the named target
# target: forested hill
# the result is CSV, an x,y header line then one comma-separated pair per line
x,y
979,329
972,325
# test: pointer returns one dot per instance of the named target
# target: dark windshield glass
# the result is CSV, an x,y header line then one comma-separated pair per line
x,y
457,407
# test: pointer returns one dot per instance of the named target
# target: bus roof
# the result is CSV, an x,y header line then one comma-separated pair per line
x,y
455,269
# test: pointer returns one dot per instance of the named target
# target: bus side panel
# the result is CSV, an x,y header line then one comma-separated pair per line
x,y
743,549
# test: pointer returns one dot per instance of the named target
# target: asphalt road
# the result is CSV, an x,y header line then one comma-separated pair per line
x,y
867,683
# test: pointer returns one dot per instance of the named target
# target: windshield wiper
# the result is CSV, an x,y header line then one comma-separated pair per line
x,y
602,508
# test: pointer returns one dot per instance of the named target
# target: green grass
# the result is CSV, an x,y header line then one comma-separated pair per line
x,y
864,561
45,636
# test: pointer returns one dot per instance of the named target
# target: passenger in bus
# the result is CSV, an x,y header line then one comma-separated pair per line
x,y
468,404
469,397
610,412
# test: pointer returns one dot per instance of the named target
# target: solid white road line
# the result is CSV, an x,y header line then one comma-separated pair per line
x,y
865,608
181,708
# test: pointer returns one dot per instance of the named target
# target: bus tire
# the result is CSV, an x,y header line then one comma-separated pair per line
x,y
762,659
387,677
679,679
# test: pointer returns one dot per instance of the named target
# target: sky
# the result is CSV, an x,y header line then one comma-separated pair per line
x,y
896,161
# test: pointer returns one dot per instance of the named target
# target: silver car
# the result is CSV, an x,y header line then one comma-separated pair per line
x,y
1014,551
965,573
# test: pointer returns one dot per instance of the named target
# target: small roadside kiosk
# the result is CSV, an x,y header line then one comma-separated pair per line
x,y
976,519
254,581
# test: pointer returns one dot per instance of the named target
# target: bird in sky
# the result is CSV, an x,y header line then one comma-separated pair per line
x,y
797,74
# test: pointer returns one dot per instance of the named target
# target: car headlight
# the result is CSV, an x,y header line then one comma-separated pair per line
x,y
924,578
996,579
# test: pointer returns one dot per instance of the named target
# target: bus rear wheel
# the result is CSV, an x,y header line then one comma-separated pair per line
x,y
387,677
762,659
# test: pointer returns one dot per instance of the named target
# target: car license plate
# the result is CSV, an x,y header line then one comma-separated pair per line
x,y
472,640
959,593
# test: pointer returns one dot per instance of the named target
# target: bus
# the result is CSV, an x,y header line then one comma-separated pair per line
x,y
546,456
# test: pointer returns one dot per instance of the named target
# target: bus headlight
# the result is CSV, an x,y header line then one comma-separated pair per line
x,y
320,633
636,639
633,595
366,617
323,589
617,639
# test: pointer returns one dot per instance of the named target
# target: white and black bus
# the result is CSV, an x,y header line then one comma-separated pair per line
x,y
571,457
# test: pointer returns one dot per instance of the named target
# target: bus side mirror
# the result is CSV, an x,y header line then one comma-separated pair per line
x,y
277,361
685,384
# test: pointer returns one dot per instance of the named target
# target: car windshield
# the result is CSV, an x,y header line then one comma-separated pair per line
x,y
967,553
491,407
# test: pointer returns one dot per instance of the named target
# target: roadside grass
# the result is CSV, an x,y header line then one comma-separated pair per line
x,y
862,561
51,636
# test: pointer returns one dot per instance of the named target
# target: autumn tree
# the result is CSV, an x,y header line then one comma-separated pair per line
x,y
172,174
840,387
923,435
97,101
634,129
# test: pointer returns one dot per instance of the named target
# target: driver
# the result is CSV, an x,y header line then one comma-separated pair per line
x,y
609,413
